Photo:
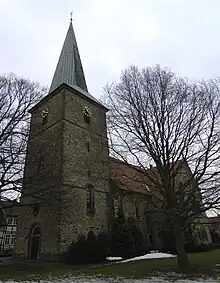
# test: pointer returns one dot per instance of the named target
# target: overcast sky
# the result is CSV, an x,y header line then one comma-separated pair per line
x,y
111,34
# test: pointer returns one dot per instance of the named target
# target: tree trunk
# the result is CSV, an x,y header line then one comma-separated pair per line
x,y
183,261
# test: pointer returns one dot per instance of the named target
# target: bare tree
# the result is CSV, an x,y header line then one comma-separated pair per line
x,y
17,96
157,118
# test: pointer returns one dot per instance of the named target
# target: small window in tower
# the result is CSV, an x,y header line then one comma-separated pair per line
x,y
86,119
45,120
89,172
90,201
44,116
88,146
87,114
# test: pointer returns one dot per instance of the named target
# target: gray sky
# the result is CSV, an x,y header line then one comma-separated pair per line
x,y
111,34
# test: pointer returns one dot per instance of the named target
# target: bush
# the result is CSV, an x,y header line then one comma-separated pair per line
x,y
121,243
126,241
192,248
76,251
204,247
90,250
138,246
91,243
102,247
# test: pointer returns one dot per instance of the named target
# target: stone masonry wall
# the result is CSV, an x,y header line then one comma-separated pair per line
x,y
82,167
42,179
59,166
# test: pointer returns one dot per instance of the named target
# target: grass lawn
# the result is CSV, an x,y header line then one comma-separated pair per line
x,y
204,264
207,263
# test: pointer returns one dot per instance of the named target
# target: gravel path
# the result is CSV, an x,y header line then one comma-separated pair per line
x,y
116,280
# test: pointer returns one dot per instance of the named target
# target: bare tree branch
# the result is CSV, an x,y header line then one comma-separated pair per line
x,y
173,124
17,96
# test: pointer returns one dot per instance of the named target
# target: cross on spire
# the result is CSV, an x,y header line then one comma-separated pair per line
x,y
71,16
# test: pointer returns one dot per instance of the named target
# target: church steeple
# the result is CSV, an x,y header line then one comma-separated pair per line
x,y
69,69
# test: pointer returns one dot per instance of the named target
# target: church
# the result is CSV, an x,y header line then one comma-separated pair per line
x,y
74,187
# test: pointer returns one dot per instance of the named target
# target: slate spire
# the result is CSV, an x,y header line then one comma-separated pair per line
x,y
69,69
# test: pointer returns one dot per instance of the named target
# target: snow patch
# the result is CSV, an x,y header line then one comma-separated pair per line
x,y
86,279
114,258
149,256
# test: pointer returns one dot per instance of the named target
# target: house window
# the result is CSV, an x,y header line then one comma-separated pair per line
x,y
90,201
10,221
15,221
13,240
7,239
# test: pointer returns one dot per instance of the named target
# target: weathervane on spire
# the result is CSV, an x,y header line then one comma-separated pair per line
x,y
71,16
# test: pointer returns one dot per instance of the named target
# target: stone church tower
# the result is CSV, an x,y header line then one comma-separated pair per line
x,y
66,178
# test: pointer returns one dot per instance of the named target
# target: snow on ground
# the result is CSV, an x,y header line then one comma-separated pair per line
x,y
151,255
114,258
116,280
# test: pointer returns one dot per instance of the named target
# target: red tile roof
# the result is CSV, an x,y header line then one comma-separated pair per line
x,y
130,178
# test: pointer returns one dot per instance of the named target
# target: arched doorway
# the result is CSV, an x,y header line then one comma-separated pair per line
x,y
34,242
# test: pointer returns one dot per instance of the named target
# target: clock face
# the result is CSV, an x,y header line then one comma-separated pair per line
x,y
87,111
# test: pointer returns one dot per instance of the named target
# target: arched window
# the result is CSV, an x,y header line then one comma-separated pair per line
x,y
90,200
36,231
204,234
200,236
91,234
